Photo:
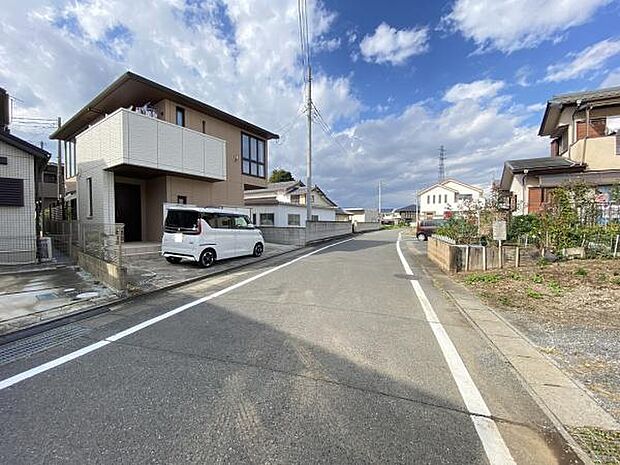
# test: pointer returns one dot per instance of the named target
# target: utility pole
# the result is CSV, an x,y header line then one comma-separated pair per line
x,y
58,167
442,159
380,212
309,156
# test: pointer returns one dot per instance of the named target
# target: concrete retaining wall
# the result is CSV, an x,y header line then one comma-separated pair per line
x,y
280,235
360,227
321,230
109,273
453,258
313,232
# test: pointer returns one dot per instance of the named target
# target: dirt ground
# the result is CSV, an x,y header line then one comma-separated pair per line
x,y
571,310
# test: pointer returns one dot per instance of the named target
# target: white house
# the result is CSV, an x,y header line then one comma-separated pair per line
x,y
21,166
363,215
283,204
446,196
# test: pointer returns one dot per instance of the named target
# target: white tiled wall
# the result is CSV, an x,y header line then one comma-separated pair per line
x,y
17,224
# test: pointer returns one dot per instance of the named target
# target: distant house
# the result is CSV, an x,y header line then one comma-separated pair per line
x,y
21,166
343,215
407,214
363,215
283,204
446,197
584,128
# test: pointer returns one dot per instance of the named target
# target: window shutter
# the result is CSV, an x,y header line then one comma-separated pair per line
x,y
12,192
555,148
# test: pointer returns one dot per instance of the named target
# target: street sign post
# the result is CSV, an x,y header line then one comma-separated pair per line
x,y
499,235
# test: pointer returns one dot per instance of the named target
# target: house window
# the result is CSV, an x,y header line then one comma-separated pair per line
x,y
253,156
182,199
428,199
204,127
295,199
181,116
3,160
12,192
49,178
433,199
89,188
267,219
294,219
445,198
596,129
315,218
465,197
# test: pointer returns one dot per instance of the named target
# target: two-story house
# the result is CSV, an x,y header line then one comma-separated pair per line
x,y
21,166
584,128
139,144
283,204
447,197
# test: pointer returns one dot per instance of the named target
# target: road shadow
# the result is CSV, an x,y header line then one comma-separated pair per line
x,y
240,385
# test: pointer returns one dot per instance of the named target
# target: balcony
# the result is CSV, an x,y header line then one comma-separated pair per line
x,y
126,139
599,153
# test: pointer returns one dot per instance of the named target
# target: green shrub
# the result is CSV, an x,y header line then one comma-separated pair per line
x,y
459,229
523,225
581,272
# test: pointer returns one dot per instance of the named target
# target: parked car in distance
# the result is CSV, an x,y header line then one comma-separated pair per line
x,y
208,234
426,228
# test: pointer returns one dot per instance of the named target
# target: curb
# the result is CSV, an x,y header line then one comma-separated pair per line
x,y
106,307
546,409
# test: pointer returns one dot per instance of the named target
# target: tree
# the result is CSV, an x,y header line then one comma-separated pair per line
x,y
281,175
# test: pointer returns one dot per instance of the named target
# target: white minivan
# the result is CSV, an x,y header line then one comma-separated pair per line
x,y
208,234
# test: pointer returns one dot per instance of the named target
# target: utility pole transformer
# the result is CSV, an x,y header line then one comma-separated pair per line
x,y
309,157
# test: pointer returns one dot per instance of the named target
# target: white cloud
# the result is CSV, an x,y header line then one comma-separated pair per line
x,y
591,59
394,46
612,79
244,58
482,89
536,107
509,25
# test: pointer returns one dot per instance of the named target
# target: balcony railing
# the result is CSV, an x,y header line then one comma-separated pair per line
x,y
129,138
599,153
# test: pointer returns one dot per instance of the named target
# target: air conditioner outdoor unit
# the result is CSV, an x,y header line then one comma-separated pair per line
x,y
44,246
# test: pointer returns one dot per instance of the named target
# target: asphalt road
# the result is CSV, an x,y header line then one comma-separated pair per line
x,y
330,359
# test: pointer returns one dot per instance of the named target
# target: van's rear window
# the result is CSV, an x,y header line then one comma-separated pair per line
x,y
181,220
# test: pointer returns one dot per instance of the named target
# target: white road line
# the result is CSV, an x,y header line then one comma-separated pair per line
x,y
492,441
145,324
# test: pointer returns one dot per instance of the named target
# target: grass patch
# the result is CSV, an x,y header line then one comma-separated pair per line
x,y
515,276
532,294
504,300
537,279
483,278
555,287
581,271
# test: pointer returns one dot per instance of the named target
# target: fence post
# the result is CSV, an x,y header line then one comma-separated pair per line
x,y
616,246
467,257
517,257
484,258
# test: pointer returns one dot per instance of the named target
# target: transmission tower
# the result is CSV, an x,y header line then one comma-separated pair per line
x,y
442,167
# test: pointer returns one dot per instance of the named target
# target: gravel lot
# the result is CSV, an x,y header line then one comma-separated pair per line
x,y
571,310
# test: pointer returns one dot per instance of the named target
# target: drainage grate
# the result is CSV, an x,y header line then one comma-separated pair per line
x,y
28,346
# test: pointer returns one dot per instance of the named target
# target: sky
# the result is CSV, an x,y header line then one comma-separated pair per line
x,y
392,80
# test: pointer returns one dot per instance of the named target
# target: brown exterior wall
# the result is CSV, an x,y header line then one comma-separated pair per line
x,y
229,192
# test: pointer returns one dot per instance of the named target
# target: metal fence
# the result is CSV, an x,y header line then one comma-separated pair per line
x,y
101,240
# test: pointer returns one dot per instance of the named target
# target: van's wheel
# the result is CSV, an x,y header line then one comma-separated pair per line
x,y
207,258
173,260
421,236
258,250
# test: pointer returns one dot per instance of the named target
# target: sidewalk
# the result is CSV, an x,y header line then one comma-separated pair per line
x,y
30,298
564,399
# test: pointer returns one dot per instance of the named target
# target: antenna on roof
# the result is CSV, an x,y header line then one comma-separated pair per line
x,y
442,159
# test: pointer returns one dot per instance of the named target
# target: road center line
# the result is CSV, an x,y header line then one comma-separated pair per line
x,y
145,324
492,441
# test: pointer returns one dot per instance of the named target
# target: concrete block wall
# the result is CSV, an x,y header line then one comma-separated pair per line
x,y
320,230
359,227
